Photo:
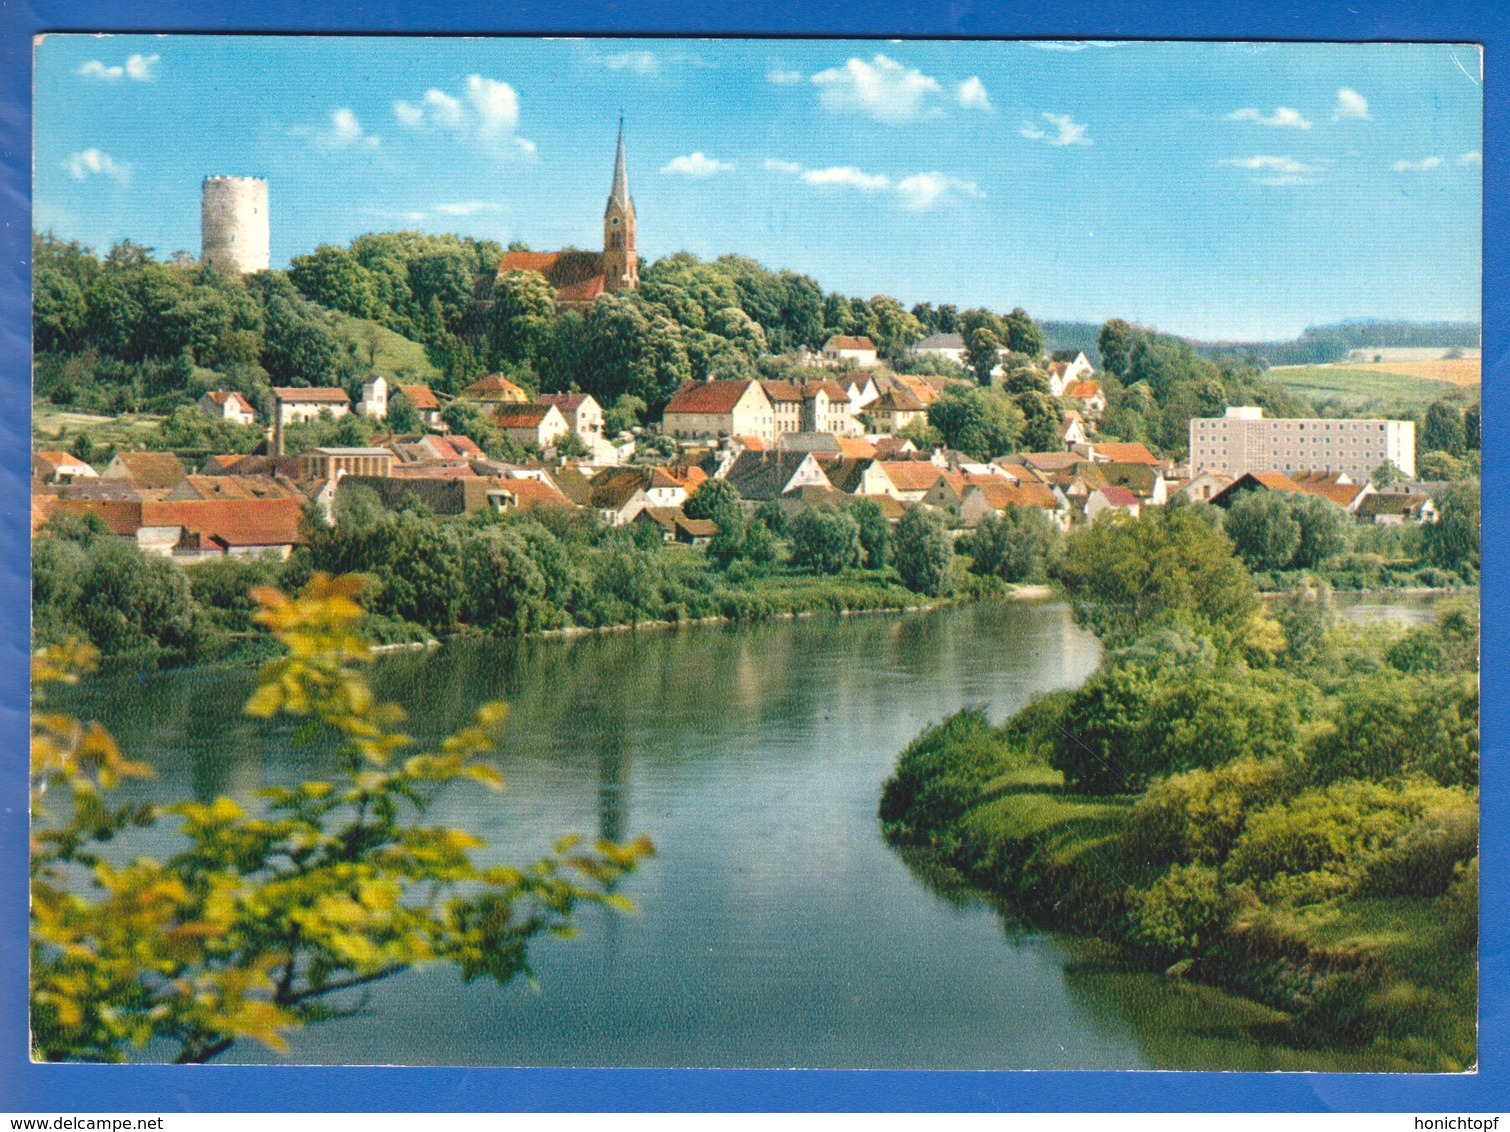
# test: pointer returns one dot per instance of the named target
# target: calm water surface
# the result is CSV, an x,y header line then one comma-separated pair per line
x,y
775,927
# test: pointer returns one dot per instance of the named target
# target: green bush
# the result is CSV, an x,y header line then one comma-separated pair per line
x,y
940,775
1178,913
1198,815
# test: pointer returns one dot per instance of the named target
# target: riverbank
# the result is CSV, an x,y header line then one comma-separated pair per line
x,y
1384,975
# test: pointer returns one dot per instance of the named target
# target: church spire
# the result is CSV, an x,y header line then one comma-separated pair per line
x,y
621,270
619,194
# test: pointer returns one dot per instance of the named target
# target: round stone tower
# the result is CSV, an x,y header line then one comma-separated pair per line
x,y
233,226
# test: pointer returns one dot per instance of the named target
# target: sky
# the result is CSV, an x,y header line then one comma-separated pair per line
x,y
1223,191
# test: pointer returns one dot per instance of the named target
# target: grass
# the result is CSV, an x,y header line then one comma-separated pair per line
x,y
1458,371
52,426
1361,386
394,354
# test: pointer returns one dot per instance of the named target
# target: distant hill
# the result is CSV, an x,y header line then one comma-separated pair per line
x,y
387,352
1072,336
1323,345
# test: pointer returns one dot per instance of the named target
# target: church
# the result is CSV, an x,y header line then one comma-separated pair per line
x,y
580,277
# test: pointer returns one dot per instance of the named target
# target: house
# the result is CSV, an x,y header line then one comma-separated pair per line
x,y
674,525
925,387
227,528
582,413
426,403
894,447
1067,369
1105,499
536,426
374,402
1396,508
1253,481
295,406
986,497
855,350
709,410
951,346
759,476
1201,488
860,387
618,497
1088,393
59,467
1072,431
520,494
227,405
907,480
495,389
146,471
786,406
1143,481
826,408
433,449
895,410
332,463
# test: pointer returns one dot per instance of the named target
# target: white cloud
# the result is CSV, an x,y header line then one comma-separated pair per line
x,y
636,62
972,94
882,88
848,175
1472,157
138,68
1351,104
1282,116
922,190
1425,165
487,112
92,162
697,164
496,104
467,208
343,132
1278,171
784,78
917,191
1067,131
1071,44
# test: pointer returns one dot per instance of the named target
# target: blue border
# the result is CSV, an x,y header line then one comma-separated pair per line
x,y
27,1087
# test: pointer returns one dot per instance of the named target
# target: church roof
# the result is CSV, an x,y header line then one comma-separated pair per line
x,y
576,276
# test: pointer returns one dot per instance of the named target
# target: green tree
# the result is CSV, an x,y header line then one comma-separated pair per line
x,y
333,277
403,417
979,422
1264,530
1023,335
1016,546
824,539
718,500
1442,430
984,338
523,317
1168,567
1115,343
1472,422
924,552
1041,422
1386,474
875,533
260,917
1324,531
1452,542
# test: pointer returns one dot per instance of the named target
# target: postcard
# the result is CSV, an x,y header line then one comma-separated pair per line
x,y
756,553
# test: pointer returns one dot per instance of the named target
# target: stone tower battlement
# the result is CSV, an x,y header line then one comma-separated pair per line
x,y
233,224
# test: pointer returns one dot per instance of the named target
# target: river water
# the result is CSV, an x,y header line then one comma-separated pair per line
x,y
775,927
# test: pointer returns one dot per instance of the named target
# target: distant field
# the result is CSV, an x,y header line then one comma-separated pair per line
x,y
1458,371
49,424
394,352
1375,384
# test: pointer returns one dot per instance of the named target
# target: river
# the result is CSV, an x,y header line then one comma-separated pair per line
x,y
775,927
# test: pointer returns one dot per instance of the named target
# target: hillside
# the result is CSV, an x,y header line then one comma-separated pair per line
x,y
385,351
1373,387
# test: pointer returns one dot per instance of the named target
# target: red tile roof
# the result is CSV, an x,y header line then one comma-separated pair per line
x,y
911,475
1119,496
231,522
315,395
521,416
715,397
1083,390
566,402
59,460
849,342
1126,452
527,494
855,447
782,391
422,397
221,396
494,387
149,469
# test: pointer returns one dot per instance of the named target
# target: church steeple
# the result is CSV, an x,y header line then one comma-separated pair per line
x,y
621,265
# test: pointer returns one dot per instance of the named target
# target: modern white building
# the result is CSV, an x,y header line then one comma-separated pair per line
x,y
1244,440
